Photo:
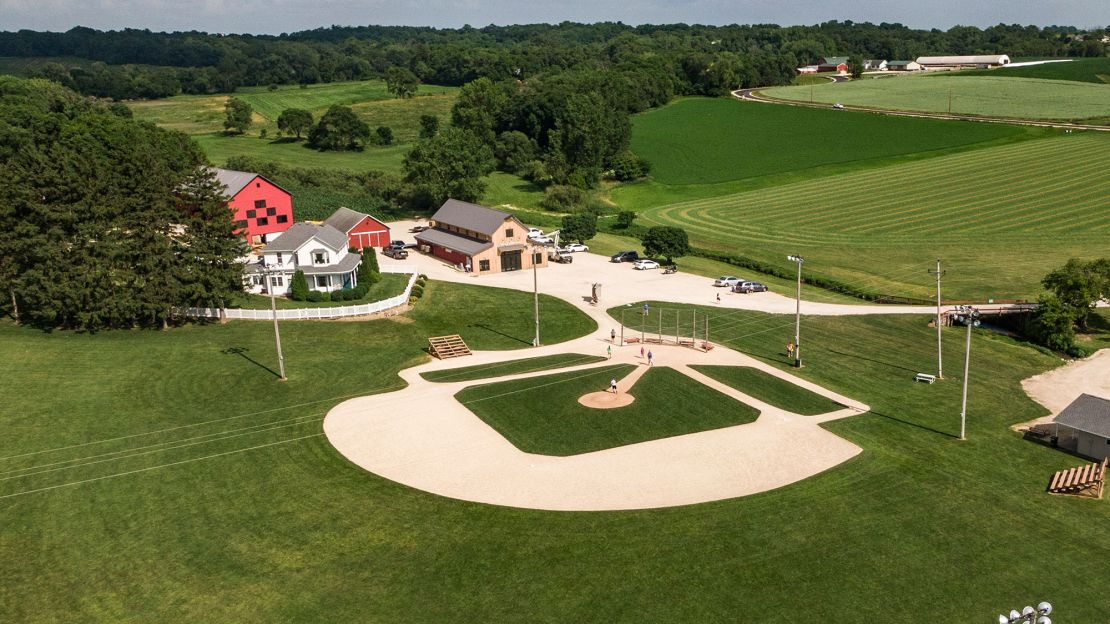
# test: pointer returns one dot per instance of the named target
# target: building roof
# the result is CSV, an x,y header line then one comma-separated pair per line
x,y
834,60
900,63
874,61
301,233
470,216
450,240
982,59
1087,413
345,219
235,181
349,263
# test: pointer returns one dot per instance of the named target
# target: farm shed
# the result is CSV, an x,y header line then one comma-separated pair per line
x,y
263,210
361,229
875,64
480,239
832,64
903,66
1083,427
956,62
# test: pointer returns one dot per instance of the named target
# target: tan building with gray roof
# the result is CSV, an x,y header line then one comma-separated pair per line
x,y
480,239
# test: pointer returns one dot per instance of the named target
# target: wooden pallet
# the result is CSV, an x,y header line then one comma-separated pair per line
x,y
444,347
1088,479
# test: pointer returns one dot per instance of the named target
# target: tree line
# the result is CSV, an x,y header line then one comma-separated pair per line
x,y
697,59
105,222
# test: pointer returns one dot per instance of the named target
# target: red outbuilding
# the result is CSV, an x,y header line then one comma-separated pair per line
x,y
362,230
263,210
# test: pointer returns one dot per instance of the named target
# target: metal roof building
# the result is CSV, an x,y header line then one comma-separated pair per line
x,y
1086,426
981,60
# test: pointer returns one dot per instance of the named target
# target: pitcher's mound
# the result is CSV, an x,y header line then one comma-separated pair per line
x,y
606,400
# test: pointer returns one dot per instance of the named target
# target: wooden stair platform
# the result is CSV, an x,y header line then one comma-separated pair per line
x,y
1088,479
444,347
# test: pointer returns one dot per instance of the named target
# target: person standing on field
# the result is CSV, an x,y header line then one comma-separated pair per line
x,y
649,358
609,351
612,335
613,385
641,351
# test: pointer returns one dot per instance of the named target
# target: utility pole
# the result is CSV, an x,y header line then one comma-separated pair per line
x,y
971,318
798,313
949,100
273,313
940,359
535,298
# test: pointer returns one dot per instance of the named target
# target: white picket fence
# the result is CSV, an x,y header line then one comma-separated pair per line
x,y
361,309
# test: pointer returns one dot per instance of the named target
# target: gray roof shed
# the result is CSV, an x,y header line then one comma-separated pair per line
x,y
450,240
470,216
1087,413
344,219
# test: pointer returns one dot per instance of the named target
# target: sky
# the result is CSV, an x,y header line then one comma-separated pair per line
x,y
277,16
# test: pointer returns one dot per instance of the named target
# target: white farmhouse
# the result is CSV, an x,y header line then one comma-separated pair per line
x,y
320,251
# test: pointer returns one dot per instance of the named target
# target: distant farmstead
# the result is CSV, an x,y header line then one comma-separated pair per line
x,y
480,239
903,66
874,65
981,61
361,229
262,209
838,64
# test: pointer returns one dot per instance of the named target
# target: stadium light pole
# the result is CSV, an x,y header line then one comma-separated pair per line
x,y
1028,615
273,313
940,358
535,297
798,313
971,318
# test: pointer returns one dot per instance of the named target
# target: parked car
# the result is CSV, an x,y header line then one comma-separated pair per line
x,y
575,247
416,229
625,256
749,287
397,253
542,239
560,257
534,232
399,244
645,265
726,280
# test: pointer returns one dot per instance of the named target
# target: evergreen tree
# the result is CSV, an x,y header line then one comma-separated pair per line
x,y
368,272
298,287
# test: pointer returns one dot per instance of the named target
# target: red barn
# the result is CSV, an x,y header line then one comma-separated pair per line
x,y
263,210
362,230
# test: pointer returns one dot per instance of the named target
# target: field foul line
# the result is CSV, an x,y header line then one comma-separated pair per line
x,y
149,468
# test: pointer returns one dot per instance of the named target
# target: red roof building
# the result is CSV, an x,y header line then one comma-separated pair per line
x,y
361,229
263,210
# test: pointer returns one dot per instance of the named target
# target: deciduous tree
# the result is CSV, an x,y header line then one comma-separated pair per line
x,y
295,121
666,241
237,116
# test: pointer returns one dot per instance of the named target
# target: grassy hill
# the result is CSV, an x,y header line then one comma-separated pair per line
x,y
999,217
705,141
202,116
988,95
1096,70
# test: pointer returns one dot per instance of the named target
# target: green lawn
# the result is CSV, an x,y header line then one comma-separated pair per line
x,y
706,141
391,285
508,189
202,116
999,218
1096,70
993,95
512,367
542,415
770,389
230,530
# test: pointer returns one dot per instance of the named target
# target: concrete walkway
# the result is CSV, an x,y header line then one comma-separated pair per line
x,y
422,437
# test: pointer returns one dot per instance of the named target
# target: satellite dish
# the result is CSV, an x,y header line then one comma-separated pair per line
x,y
1044,608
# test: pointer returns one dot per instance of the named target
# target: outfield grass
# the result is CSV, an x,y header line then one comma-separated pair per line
x,y
707,141
771,389
991,96
542,415
511,190
295,532
999,218
1096,70
391,285
512,367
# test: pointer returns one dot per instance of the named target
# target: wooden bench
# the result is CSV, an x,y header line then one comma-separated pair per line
x,y
1088,479
926,377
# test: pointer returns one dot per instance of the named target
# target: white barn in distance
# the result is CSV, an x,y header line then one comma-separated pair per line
x,y
958,62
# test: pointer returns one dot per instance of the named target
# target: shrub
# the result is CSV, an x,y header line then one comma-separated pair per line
x,y
417,291
514,151
384,135
317,296
628,166
625,219
361,290
422,277
412,301
563,198
298,288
